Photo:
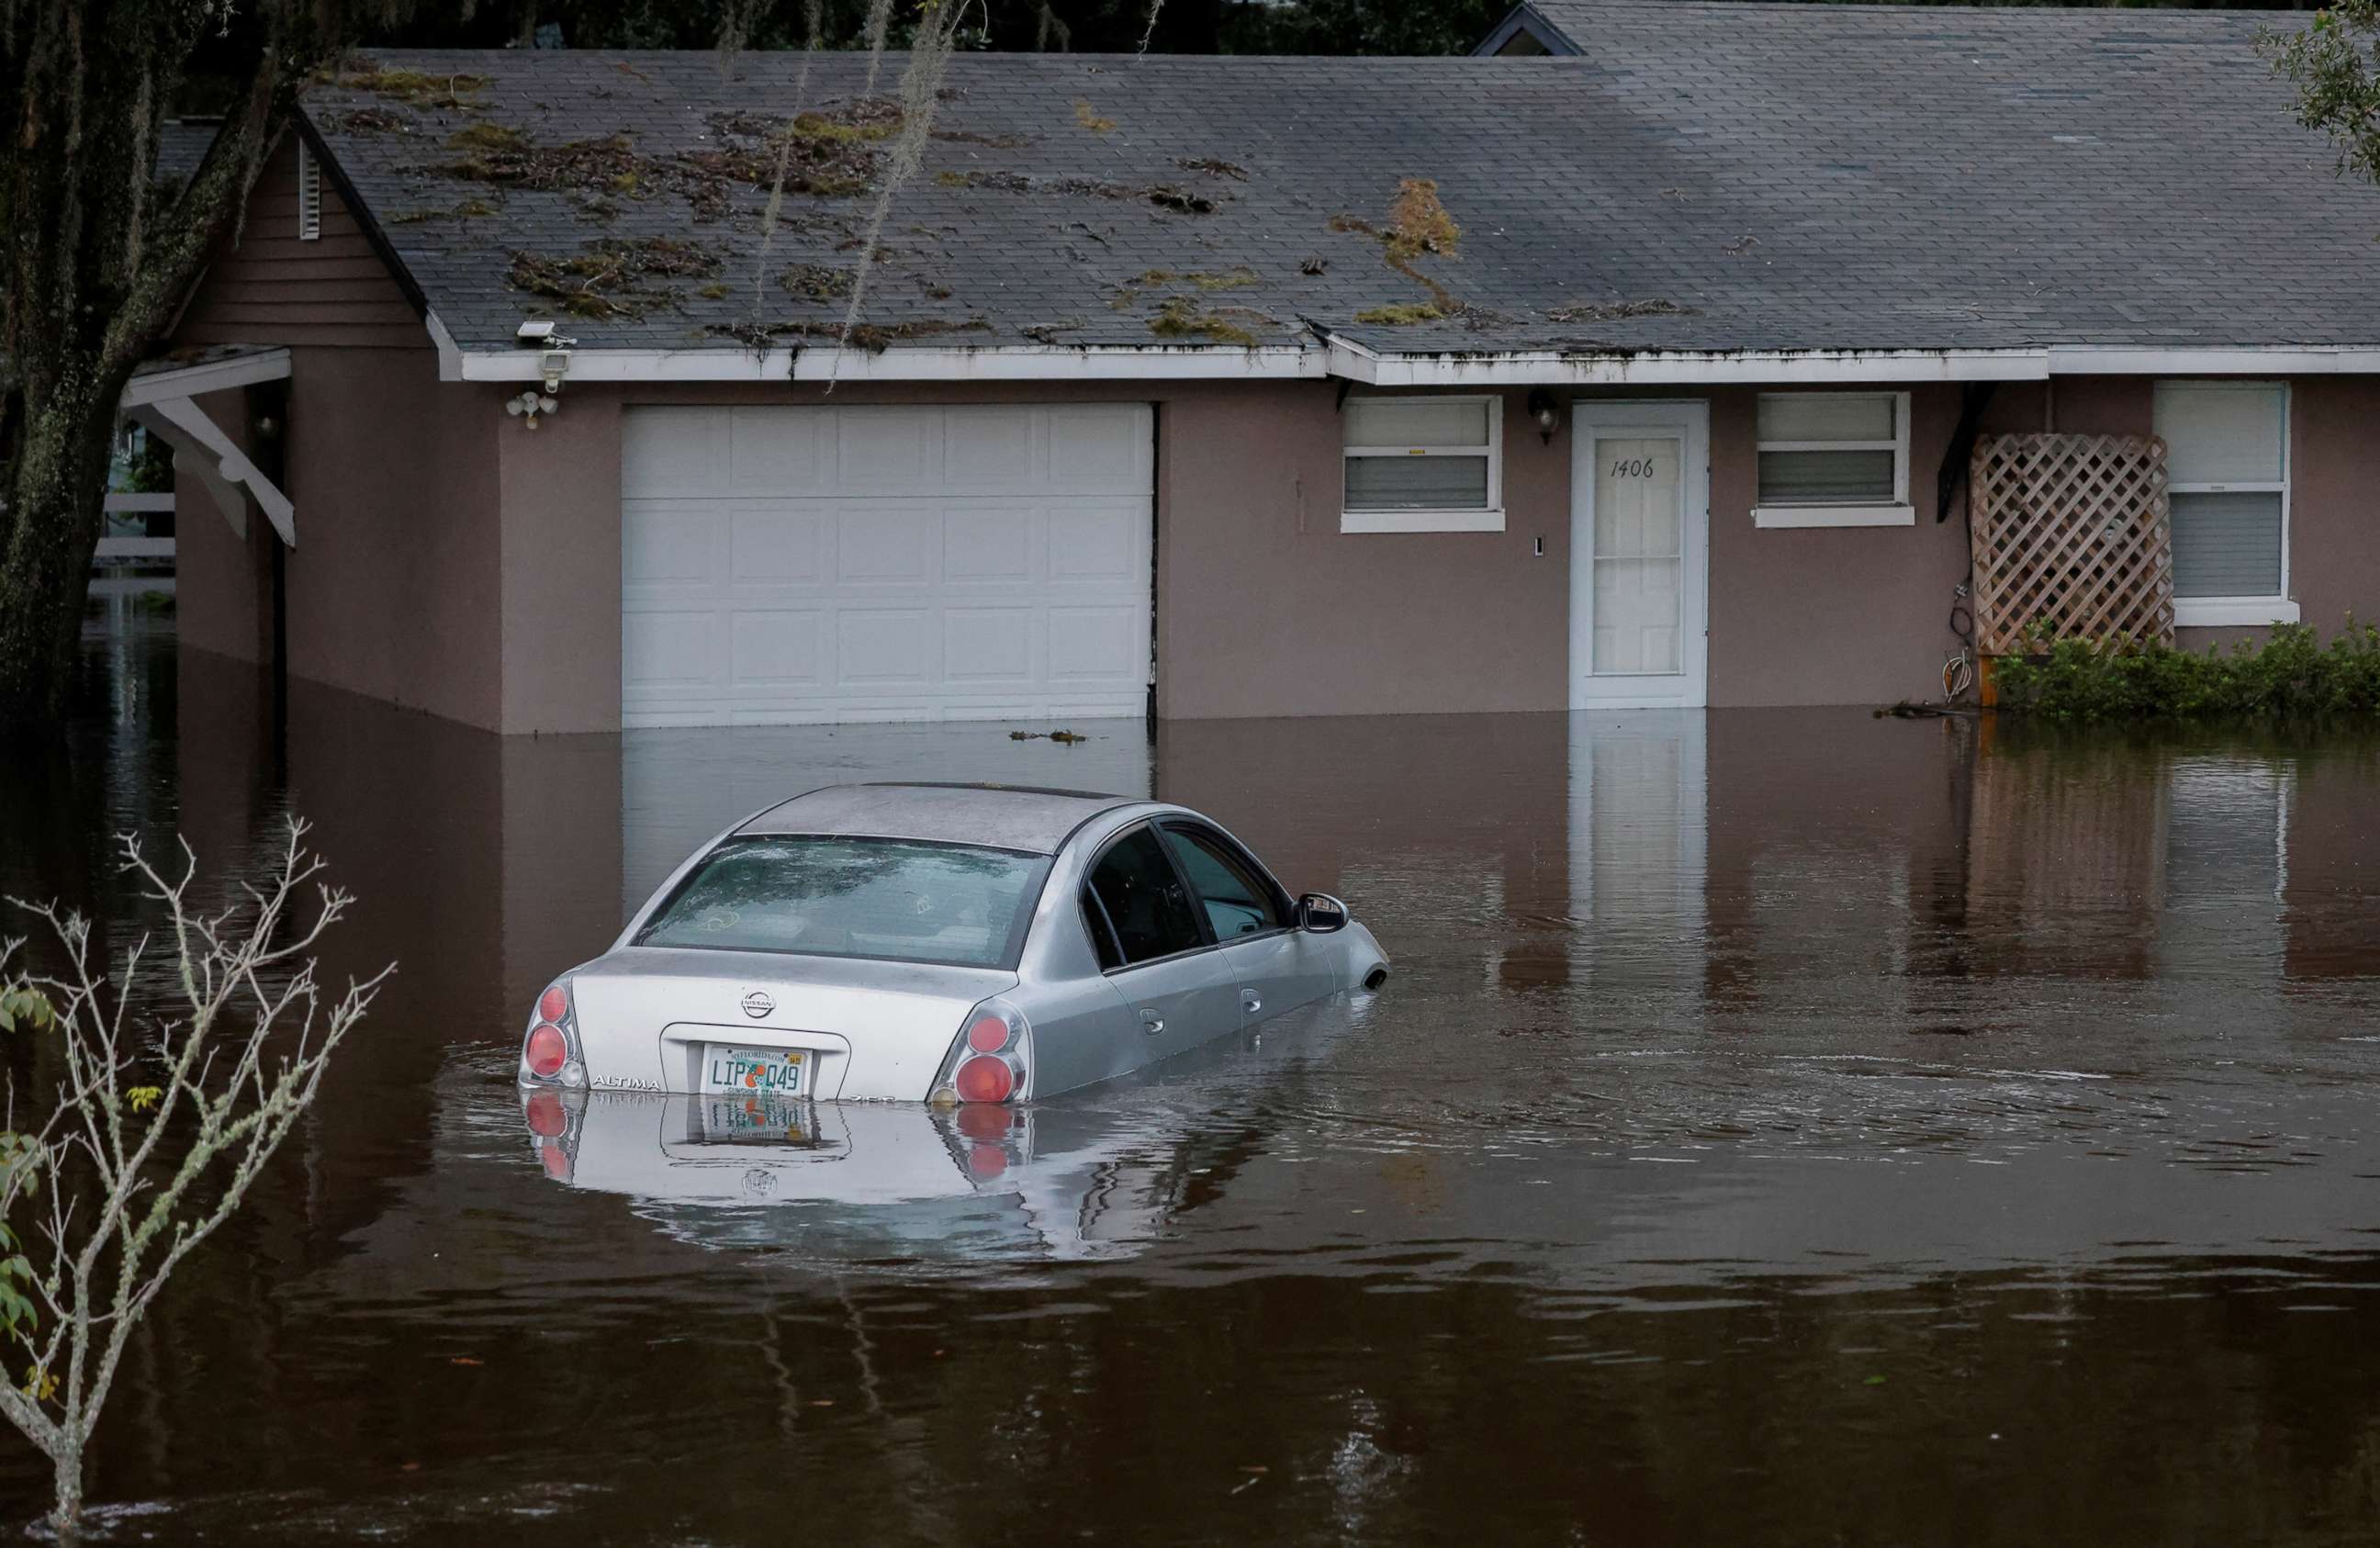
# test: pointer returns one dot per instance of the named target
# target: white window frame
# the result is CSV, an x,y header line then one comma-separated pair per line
x,y
1488,518
2223,612
1897,512
310,195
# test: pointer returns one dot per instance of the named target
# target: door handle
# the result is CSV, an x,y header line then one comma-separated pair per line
x,y
1150,1021
1251,1001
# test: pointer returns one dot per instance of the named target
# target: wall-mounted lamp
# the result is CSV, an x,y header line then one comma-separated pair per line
x,y
1544,413
530,403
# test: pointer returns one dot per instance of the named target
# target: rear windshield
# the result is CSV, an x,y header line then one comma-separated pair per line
x,y
892,899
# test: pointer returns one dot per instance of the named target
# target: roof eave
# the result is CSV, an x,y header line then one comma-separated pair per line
x,y
1346,359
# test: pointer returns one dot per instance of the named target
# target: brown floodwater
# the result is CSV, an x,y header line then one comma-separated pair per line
x,y
1783,1126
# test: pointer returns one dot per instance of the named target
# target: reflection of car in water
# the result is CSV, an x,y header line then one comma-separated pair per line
x,y
865,1179
973,945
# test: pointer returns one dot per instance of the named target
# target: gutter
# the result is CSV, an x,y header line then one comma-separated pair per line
x,y
815,363
1335,356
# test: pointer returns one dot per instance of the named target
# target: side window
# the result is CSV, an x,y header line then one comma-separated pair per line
x,y
1136,885
1237,899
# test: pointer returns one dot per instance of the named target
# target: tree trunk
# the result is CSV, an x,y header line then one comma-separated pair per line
x,y
56,510
94,263
65,1509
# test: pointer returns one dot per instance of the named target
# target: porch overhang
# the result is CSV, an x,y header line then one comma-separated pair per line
x,y
162,397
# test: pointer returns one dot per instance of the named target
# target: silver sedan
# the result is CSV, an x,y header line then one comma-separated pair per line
x,y
946,943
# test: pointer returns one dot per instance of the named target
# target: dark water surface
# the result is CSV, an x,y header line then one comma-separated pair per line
x,y
1783,1127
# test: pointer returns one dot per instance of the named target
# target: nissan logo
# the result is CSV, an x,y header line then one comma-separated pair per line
x,y
758,1004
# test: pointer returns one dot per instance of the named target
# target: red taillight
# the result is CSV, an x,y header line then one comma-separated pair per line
x,y
988,1034
545,1116
984,1079
985,1162
547,1049
554,1004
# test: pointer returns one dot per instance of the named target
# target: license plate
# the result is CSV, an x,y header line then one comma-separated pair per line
x,y
770,1072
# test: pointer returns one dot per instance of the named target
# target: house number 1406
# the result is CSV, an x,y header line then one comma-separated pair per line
x,y
1631,468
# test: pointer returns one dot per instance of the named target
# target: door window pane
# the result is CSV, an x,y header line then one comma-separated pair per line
x,y
1417,483
1826,477
1237,900
1639,568
1144,899
2227,545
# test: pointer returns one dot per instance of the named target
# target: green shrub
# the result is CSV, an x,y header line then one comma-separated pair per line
x,y
2292,676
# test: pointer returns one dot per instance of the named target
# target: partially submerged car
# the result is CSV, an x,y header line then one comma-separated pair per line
x,y
944,943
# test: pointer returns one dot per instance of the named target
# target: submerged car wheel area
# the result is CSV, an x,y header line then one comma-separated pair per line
x,y
960,945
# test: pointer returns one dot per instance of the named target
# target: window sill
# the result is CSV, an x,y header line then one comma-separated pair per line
x,y
1421,521
2231,613
1834,515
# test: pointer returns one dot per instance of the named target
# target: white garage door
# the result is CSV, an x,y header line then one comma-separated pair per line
x,y
913,563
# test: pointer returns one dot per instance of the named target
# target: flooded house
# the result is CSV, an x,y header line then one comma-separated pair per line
x,y
1649,370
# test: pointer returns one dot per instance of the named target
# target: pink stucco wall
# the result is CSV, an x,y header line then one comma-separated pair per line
x,y
393,586
452,559
2335,499
1828,615
1266,608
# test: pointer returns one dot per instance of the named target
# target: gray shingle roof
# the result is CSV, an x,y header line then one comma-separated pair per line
x,y
1705,176
181,145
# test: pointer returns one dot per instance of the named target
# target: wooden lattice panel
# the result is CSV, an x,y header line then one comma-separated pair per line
x,y
2073,532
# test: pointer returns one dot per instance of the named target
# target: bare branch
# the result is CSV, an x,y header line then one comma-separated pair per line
x,y
166,1157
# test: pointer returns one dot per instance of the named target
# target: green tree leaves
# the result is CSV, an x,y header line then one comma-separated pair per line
x,y
2335,62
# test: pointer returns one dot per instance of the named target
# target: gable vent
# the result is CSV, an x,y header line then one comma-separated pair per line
x,y
310,195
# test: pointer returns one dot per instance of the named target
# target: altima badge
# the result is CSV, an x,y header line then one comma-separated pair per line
x,y
758,1004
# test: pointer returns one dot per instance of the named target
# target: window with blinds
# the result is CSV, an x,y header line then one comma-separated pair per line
x,y
2226,460
1422,465
1833,459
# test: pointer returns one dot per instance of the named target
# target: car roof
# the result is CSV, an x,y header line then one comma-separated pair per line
x,y
997,816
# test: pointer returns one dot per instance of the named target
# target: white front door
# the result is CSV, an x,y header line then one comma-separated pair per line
x,y
1640,545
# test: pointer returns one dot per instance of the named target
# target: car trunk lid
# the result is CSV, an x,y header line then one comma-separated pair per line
x,y
872,1028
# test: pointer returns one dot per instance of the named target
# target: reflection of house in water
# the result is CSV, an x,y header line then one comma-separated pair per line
x,y
2065,859
1638,836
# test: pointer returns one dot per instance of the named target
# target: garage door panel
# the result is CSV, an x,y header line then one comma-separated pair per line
x,y
879,542
986,542
1105,449
988,646
774,452
875,647
1096,645
672,650
778,648
1100,542
673,451
775,542
911,562
669,542
887,448
990,449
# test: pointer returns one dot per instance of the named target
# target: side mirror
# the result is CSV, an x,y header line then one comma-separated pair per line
x,y
1321,912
